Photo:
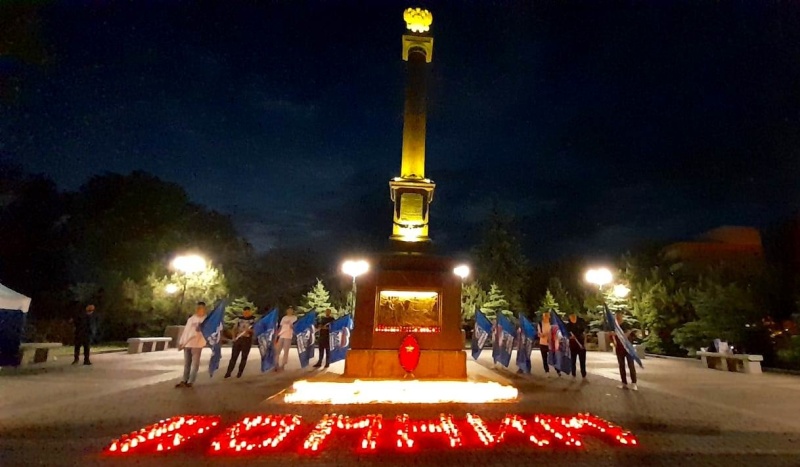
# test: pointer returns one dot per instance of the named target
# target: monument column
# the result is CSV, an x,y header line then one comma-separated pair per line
x,y
411,192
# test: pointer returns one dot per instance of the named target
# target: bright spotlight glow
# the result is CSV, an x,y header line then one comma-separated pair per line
x,y
355,268
462,271
599,277
189,264
399,392
620,291
171,288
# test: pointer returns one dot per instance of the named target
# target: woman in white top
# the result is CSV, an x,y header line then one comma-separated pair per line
x,y
284,340
544,339
192,343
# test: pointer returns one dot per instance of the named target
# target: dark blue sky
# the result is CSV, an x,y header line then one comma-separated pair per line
x,y
598,124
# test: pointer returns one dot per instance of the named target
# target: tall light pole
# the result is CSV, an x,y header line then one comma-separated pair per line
x,y
187,264
354,269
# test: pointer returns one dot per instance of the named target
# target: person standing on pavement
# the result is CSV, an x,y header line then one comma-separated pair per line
x,y
622,357
85,330
544,339
325,339
284,341
242,341
192,343
576,327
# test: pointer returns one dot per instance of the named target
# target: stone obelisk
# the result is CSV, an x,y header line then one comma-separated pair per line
x,y
411,192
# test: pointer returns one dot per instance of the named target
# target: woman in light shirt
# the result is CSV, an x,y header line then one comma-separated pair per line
x,y
284,340
192,343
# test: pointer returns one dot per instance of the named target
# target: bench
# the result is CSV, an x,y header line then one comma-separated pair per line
x,y
148,344
37,352
742,363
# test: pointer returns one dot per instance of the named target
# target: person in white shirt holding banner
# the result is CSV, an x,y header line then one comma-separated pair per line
x,y
192,343
284,341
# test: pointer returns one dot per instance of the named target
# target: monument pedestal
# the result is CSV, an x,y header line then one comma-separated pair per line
x,y
408,293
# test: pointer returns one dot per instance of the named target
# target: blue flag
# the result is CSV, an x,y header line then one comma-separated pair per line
x,y
621,337
504,340
527,334
212,331
481,333
559,355
304,330
265,336
340,338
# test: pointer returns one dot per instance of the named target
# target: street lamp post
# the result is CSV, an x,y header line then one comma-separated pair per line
x,y
354,269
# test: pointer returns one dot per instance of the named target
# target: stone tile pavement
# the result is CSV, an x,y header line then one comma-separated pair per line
x,y
64,415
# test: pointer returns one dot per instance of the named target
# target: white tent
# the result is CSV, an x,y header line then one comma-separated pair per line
x,y
10,300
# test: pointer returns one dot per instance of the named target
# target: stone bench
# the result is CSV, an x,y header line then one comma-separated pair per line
x,y
37,352
148,344
732,362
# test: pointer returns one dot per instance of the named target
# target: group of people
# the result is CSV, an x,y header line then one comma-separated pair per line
x,y
192,342
576,327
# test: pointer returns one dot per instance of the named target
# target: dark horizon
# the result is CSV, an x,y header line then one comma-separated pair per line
x,y
599,126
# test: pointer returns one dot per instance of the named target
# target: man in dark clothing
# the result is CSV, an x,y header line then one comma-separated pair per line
x,y
242,341
325,339
85,328
622,357
576,327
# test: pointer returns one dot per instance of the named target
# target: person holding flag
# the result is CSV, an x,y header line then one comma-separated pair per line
x,y
191,344
526,336
559,345
624,351
284,341
481,333
242,341
212,330
265,330
576,327
504,341
304,330
339,335
544,340
325,339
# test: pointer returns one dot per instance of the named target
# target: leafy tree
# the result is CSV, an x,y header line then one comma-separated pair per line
x,y
659,299
318,298
472,298
499,258
174,297
496,303
724,311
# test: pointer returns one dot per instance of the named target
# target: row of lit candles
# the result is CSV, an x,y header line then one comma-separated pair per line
x,y
410,329
268,432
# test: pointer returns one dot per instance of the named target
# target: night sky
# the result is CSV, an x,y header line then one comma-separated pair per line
x,y
598,124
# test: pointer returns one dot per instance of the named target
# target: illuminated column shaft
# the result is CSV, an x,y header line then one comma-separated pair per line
x,y
414,118
411,192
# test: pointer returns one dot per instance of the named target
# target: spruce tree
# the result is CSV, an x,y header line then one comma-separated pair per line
x,y
317,299
496,303
549,303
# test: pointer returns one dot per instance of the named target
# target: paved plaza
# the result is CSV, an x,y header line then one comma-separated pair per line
x,y
683,413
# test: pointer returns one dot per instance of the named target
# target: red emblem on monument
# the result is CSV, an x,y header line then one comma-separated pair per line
x,y
409,353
